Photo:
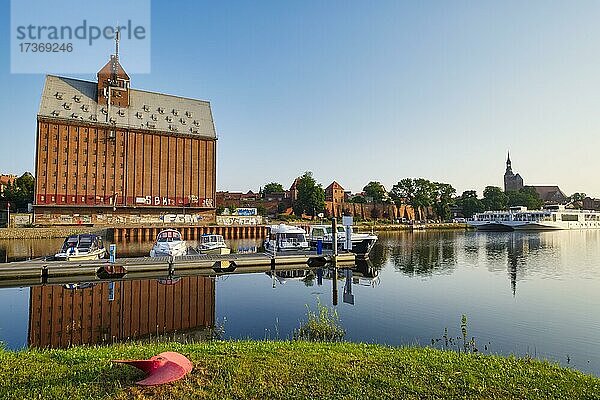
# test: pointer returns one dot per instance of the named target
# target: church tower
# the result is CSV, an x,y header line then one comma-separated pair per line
x,y
512,181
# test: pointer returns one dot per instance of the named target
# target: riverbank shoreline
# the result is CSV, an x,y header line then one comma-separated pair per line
x,y
108,231
363,227
273,369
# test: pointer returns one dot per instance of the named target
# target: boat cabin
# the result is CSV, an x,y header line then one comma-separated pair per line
x,y
286,237
168,235
210,239
83,243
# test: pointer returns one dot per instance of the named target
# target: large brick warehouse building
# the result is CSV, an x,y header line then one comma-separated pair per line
x,y
109,154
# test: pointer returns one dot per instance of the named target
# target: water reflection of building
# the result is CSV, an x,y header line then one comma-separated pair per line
x,y
60,317
519,247
520,251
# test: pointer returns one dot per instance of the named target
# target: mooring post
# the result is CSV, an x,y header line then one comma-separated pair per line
x,y
334,238
44,274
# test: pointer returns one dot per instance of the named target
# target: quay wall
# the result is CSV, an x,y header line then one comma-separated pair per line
x,y
139,233
190,232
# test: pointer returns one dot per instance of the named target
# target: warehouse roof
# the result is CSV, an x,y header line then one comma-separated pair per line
x,y
75,100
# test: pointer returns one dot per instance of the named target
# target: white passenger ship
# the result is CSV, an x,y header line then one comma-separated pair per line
x,y
550,218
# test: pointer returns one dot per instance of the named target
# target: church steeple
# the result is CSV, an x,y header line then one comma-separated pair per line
x,y
512,181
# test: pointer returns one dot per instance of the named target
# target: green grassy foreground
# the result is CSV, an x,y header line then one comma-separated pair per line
x,y
261,370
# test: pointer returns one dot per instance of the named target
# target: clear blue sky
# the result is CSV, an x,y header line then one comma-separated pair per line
x,y
358,91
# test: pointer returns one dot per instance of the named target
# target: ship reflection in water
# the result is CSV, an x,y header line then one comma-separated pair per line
x,y
62,316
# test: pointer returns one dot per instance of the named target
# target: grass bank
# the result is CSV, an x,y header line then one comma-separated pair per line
x,y
290,370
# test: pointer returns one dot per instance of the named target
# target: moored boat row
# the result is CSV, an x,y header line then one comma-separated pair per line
x,y
169,242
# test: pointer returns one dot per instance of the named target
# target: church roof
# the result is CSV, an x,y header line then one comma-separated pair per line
x,y
75,100
550,193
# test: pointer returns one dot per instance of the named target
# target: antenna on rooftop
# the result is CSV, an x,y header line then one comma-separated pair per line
x,y
117,37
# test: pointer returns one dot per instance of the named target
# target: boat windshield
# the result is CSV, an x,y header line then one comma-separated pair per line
x,y
71,241
168,236
85,242
293,237
212,239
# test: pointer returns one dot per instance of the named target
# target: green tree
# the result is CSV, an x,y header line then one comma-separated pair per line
x,y
494,199
376,191
470,204
419,193
273,187
20,193
311,196
578,198
261,210
424,194
358,199
443,199
526,196
403,191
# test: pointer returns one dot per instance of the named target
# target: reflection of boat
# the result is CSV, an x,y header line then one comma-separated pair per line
x,y
169,280
286,237
111,271
213,244
362,243
284,276
169,243
365,274
82,247
550,218
79,286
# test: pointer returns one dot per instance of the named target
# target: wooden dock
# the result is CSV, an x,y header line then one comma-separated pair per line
x,y
39,272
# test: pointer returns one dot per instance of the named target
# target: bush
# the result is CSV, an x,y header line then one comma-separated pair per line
x,y
321,326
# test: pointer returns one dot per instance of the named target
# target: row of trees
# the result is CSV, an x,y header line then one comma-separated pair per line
x,y
419,193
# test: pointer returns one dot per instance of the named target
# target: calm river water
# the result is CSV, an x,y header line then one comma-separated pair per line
x,y
532,294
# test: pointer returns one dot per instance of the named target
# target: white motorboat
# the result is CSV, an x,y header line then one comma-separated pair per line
x,y
213,244
362,243
169,243
284,237
81,247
